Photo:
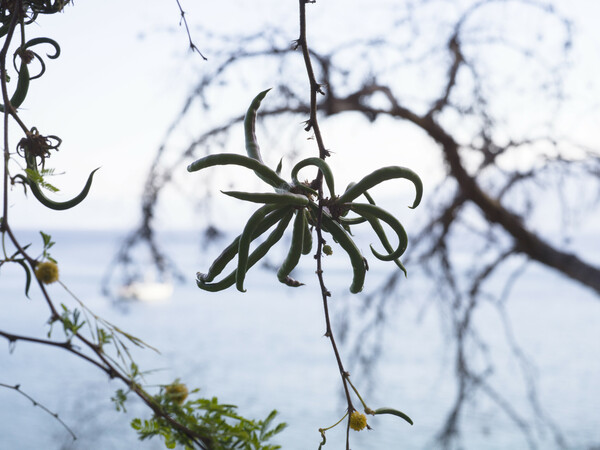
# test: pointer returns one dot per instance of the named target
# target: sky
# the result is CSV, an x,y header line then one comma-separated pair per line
x,y
125,70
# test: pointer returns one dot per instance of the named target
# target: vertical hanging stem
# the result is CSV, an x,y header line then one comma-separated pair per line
x,y
313,124
6,155
97,357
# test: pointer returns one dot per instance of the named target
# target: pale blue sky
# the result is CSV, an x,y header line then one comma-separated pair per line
x,y
112,94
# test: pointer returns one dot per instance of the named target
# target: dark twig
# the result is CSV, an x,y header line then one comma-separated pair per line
x,y
187,29
323,153
484,204
17,388
97,356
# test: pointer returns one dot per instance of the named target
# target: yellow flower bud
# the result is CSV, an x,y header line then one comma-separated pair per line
x,y
358,421
327,250
177,392
46,272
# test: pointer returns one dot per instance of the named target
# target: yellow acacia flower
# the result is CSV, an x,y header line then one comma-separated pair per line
x,y
358,421
177,392
47,272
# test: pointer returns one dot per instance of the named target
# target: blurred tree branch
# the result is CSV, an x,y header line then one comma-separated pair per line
x,y
497,176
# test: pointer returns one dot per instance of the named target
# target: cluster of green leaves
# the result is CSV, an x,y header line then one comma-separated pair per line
x,y
101,334
48,243
208,417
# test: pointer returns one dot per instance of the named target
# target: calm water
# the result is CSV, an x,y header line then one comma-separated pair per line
x,y
265,349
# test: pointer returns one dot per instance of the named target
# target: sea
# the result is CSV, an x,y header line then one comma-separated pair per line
x,y
265,349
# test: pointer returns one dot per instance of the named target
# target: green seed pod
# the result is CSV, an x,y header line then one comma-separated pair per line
x,y
324,168
379,176
20,93
394,412
278,198
223,159
254,257
372,213
352,221
252,147
368,197
230,251
39,195
341,236
307,240
293,256
244,246
61,206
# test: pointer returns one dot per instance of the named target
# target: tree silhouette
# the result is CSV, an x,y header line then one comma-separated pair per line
x,y
488,91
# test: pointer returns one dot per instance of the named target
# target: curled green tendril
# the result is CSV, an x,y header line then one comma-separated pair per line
x,y
44,40
24,77
37,41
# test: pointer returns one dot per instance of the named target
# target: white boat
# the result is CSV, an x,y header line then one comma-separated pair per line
x,y
147,291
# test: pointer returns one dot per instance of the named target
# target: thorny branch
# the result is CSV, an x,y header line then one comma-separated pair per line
x,y
193,46
87,349
483,199
18,389
323,153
